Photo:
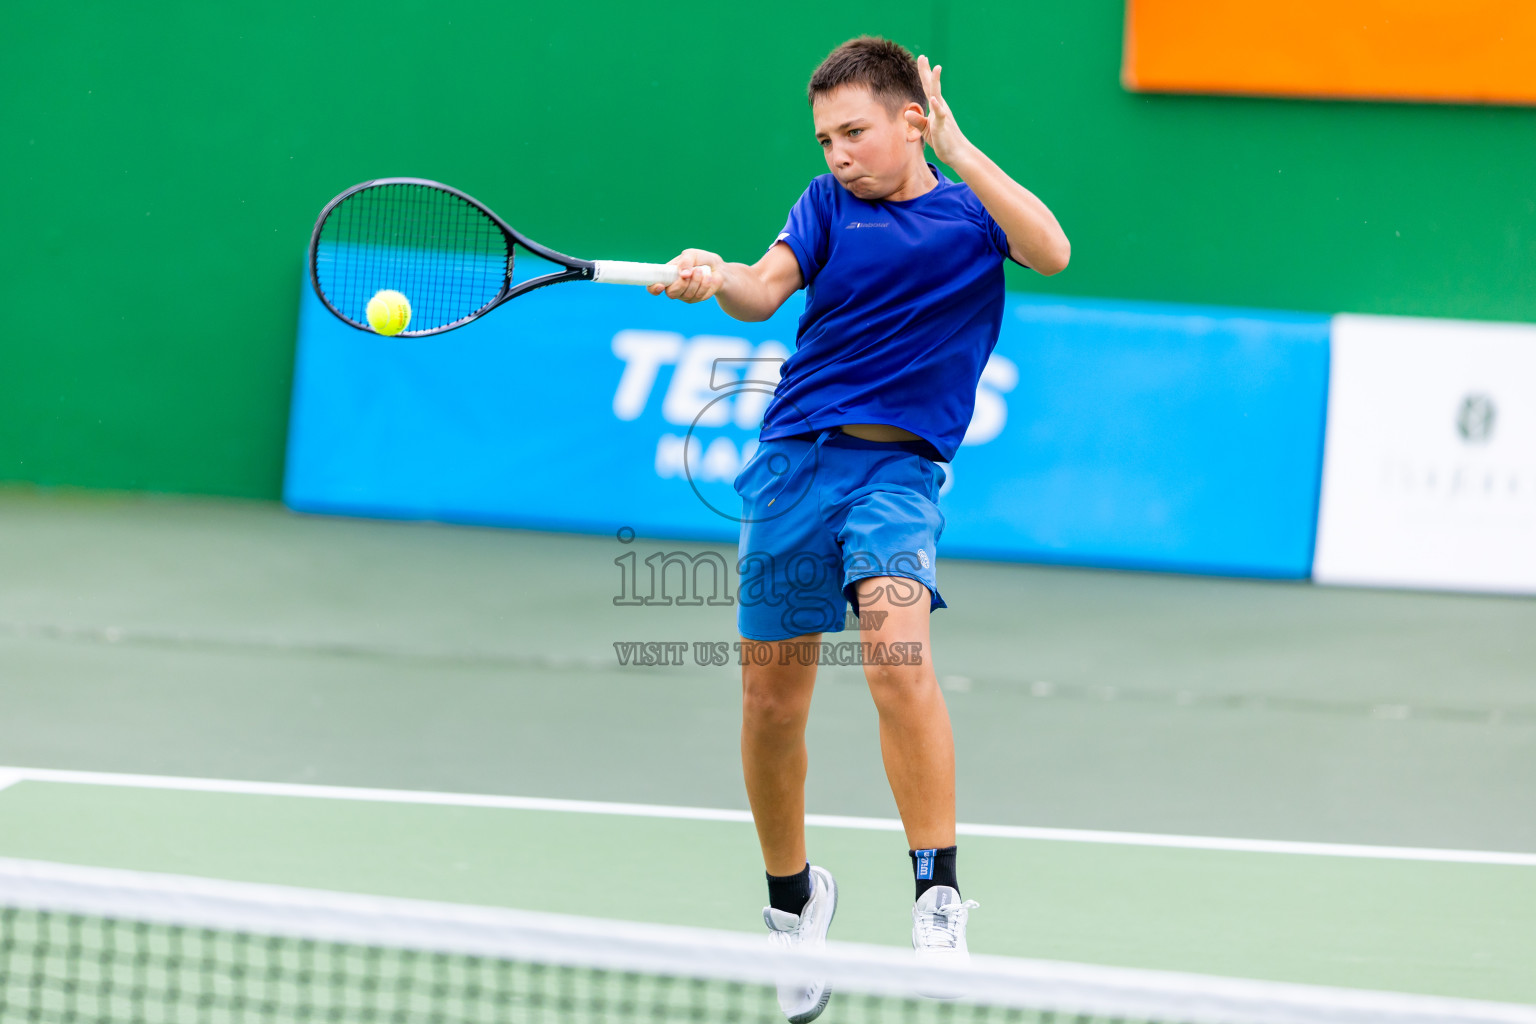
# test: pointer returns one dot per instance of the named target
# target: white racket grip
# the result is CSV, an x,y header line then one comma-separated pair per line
x,y
620,272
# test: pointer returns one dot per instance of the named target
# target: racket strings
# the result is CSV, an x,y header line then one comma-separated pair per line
x,y
444,253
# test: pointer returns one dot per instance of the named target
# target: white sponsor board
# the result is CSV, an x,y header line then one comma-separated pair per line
x,y
1429,467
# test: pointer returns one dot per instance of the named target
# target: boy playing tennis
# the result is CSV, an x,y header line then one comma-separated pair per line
x,y
905,296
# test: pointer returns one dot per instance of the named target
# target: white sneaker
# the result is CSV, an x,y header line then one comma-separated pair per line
x,y
938,926
803,1001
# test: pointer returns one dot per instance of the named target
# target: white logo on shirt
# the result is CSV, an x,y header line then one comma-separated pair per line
x,y
867,224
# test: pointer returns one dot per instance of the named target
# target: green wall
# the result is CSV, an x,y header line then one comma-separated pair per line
x,y
162,166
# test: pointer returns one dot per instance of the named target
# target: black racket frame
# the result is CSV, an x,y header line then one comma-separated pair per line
x,y
576,270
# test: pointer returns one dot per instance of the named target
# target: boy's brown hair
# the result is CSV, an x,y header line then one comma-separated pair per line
x,y
885,68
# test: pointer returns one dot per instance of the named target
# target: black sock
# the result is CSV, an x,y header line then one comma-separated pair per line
x,y
934,867
790,893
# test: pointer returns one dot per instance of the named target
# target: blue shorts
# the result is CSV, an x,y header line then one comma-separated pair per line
x,y
818,516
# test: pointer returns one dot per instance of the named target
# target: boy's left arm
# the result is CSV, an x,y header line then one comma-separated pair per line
x,y
1035,239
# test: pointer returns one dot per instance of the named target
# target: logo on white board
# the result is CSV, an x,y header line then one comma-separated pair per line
x,y
1476,417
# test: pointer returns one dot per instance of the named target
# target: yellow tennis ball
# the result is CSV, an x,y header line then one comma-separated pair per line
x,y
389,312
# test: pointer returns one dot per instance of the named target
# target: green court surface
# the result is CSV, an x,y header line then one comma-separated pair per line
x,y
238,643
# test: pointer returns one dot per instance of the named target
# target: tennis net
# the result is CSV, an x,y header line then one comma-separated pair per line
x,y
84,944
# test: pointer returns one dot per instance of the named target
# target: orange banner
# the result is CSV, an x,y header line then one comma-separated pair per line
x,y
1454,51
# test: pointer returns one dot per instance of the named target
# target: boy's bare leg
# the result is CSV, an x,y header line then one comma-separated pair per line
x,y
775,702
916,742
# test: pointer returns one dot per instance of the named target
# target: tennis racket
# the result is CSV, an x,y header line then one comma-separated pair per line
x,y
449,255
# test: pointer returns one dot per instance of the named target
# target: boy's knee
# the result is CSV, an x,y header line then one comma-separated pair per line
x,y
772,698
893,681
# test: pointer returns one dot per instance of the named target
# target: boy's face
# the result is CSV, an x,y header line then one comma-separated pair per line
x,y
868,148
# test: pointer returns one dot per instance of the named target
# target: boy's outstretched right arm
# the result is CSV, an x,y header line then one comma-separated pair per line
x,y
745,292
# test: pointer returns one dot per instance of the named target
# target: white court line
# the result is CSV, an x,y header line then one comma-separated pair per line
x,y
533,803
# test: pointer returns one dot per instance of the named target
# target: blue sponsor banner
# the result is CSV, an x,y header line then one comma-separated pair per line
x,y
1146,435
1117,434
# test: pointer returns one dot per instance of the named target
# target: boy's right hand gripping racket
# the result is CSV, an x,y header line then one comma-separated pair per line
x,y
446,253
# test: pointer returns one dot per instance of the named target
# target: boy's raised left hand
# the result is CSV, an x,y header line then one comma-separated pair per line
x,y
938,127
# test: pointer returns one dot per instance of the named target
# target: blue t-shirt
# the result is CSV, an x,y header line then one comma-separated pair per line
x,y
902,308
